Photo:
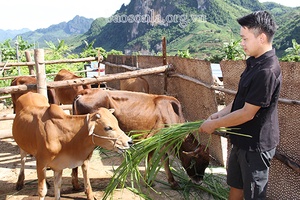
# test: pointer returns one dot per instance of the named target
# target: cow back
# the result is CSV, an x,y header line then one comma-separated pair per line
x,y
66,95
138,84
29,108
21,80
134,110
29,80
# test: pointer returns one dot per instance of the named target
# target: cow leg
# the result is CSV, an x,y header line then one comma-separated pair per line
x,y
165,160
75,181
171,180
20,182
57,183
42,186
87,185
149,158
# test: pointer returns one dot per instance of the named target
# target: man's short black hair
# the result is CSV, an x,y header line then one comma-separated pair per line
x,y
260,22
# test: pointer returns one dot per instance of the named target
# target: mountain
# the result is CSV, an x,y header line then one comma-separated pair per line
x,y
62,31
288,29
201,26
10,34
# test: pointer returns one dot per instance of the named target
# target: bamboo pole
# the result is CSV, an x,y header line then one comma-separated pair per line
x,y
30,67
287,161
164,50
52,62
6,134
108,77
41,72
85,81
7,117
227,91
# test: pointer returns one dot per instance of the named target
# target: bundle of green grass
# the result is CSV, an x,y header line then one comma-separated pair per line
x,y
166,140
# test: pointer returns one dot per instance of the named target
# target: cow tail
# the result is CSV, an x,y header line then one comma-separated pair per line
x,y
178,110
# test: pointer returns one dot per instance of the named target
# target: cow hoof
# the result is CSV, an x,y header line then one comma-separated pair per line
x,y
19,187
76,186
175,186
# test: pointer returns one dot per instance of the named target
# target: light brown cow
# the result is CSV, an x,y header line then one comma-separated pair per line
x,y
140,111
28,80
66,95
60,141
138,84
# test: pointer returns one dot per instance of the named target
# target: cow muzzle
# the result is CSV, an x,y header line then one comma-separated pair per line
x,y
121,148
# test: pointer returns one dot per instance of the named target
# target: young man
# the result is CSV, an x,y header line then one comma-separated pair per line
x,y
253,111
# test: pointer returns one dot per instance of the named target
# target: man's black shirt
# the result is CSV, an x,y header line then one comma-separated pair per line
x,y
259,85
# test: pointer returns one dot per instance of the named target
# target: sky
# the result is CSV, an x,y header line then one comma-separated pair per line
x,y
32,14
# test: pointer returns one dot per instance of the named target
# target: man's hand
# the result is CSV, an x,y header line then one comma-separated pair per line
x,y
207,126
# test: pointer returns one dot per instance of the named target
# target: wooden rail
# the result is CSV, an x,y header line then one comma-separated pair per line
x,y
89,59
85,81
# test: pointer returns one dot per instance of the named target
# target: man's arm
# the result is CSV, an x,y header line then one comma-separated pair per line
x,y
231,119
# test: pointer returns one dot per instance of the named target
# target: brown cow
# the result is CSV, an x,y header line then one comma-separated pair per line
x,y
138,84
60,141
140,111
28,80
67,95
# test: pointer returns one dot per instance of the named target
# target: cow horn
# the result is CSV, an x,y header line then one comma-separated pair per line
x,y
98,116
190,153
111,110
194,153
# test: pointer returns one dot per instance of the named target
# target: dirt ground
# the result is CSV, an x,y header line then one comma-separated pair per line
x,y
101,171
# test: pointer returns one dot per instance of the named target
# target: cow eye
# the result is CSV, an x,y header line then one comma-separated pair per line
x,y
107,128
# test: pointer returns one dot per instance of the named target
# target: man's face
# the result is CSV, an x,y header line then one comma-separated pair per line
x,y
250,42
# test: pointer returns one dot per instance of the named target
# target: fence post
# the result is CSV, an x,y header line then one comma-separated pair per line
x,y
40,71
165,62
30,67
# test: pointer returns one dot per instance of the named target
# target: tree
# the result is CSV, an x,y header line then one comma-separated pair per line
x,y
59,51
233,50
292,53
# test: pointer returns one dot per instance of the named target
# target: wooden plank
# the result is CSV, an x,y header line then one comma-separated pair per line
x,y
7,117
5,134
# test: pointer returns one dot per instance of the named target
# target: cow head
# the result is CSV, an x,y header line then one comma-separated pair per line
x,y
194,158
105,131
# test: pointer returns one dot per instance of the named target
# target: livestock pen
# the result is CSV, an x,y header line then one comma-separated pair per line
x,y
191,82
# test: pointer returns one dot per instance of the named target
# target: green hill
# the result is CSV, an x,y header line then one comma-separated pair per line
x,y
208,25
62,31
200,26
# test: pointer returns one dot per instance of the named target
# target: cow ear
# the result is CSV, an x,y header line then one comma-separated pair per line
x,y
91,124
111,110
91,127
